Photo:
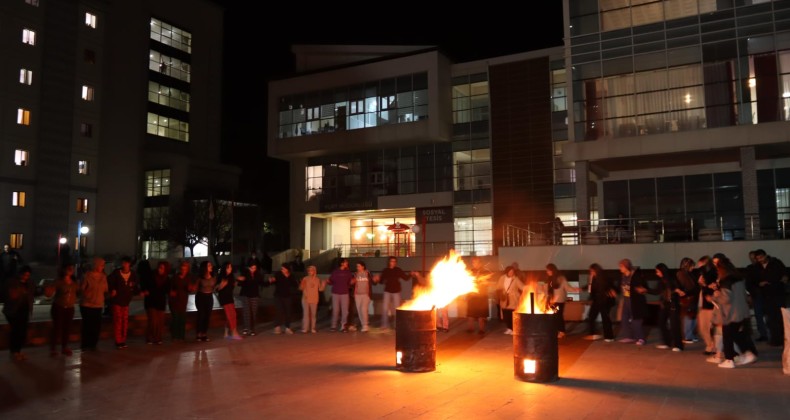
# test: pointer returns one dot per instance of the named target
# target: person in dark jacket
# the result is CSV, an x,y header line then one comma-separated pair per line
x,y
669,317
182,284
156,291
251,282
773,278
17,310
123,284
689,299
753,271
706,281
391,277
64,296
602,296
633,288
284,286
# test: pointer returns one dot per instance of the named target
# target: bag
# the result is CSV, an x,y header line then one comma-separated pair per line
x,y
716,317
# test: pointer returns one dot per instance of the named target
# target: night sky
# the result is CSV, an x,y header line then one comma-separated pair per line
x,y
258,49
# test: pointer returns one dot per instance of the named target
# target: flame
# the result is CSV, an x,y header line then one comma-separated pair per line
x,y
534,297
448,280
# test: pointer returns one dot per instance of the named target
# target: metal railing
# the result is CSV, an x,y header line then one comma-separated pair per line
x,y
432,249
638,230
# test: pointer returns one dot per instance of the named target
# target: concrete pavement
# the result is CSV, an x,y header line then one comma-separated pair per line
x,y
352,376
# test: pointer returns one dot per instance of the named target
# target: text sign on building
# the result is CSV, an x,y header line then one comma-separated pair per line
x,y
434,214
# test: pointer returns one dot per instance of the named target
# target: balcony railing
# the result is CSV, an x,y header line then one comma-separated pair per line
x,y
637,230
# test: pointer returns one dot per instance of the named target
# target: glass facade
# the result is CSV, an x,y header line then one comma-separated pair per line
x,y
171,128
360,177
389,101
472,183
650,67
168,96
170,35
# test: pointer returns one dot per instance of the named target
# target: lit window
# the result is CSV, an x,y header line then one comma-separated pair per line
x,y
82,205
90,20
18,199
22,116
82,167
21,157
28,37
32,2
15,241
157,183
25,76
87,93
171,128
171,35
86,129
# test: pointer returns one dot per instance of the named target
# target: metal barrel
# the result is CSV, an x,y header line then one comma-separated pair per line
x,y
535,347
415,340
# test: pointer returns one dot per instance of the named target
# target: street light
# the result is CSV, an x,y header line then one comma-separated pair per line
x,y
61,241
81,230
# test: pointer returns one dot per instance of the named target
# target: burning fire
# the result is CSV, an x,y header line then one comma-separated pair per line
x,y
448,280
534,299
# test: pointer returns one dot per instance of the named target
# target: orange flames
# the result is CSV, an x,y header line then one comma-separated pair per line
x,y
448,280
534,297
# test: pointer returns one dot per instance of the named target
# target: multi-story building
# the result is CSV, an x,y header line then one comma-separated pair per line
x,y
109,115
657,123
392,150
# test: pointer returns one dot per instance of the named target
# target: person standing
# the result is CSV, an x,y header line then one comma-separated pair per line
x,y
204,299
17,310
93,288
284,284
65,291
477,301
602,296
123,285
509,289
633,288
311,285
340,280
689,295
251,282
181,285
707,276
391,276
226,282
362,283
753,271
9,261
773,277
155,291
557,289
669,317
730,297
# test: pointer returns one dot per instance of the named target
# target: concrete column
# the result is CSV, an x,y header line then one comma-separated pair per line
x,y
751,208
583,197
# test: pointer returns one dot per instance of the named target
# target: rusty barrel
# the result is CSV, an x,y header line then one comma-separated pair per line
x,y
535,347
415,340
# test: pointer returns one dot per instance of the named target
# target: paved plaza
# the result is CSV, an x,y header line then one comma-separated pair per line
x,y
332,375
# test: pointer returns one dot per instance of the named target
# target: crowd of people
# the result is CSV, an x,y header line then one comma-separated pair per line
x,y
709,300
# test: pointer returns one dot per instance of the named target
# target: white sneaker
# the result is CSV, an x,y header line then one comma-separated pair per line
x,y
662,346
676,349
352,328
608,340
277,330
745,359
727,364
509,331
593,337
365,329
288,331
715,359
313,331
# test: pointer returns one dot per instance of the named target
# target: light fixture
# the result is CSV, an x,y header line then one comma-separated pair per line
x,y
398,358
